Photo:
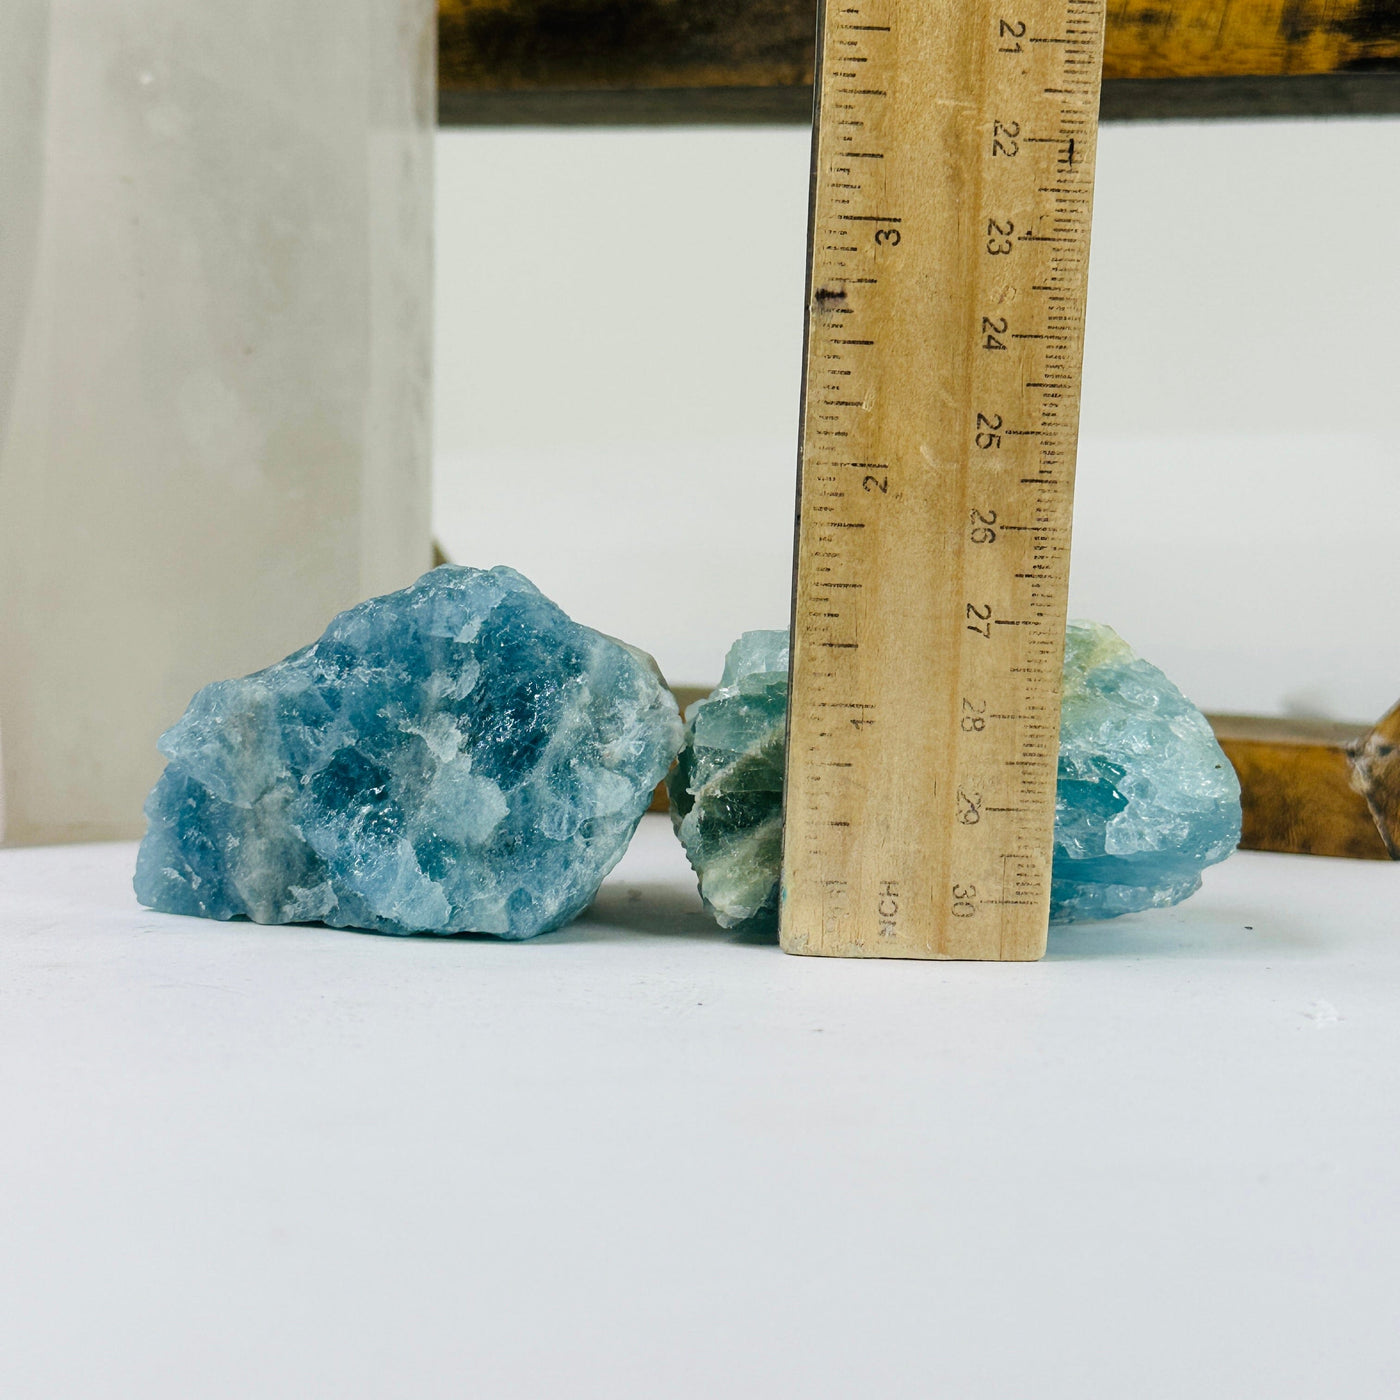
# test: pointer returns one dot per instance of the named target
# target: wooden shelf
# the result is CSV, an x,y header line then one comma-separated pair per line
x,y
1315,787
647,62
1307,787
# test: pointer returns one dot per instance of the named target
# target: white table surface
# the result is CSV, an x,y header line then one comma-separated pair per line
x,y
641,1158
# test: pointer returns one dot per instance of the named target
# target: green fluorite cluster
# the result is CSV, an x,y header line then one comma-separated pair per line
x,y
1145,799
726,789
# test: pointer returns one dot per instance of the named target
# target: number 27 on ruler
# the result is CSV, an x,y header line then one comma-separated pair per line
x,y
952,189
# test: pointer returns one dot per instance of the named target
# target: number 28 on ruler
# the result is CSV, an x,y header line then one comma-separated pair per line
x,y
952,186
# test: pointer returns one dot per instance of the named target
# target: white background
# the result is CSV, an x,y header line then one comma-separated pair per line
x,y
643,1159
619,329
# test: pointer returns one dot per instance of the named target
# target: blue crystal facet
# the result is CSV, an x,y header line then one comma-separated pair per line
x,y
1145,798
456,757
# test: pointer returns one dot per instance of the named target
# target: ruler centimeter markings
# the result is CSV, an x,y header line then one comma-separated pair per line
x,y
952,185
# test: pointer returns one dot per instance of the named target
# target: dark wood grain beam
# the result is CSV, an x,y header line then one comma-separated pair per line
x,y
650,61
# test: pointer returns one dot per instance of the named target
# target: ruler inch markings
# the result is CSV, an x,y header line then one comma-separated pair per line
x,y
923,718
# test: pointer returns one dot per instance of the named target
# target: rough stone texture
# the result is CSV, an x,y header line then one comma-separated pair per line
x,y
726,789
1145,798
455,757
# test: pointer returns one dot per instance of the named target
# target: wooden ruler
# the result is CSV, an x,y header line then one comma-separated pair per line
x,y
952,185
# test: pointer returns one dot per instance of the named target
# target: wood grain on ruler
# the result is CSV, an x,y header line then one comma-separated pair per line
x,y
952,187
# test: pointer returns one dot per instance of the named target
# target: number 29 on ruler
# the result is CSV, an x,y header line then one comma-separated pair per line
x,y
952,190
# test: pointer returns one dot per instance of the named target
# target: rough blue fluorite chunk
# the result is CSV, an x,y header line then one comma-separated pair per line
x,y
726,789
1145,797
459,756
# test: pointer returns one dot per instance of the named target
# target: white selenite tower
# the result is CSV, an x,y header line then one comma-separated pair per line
x,y
215,341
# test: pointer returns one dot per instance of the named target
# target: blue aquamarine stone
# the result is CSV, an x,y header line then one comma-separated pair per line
x,y
1145,799
456,757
